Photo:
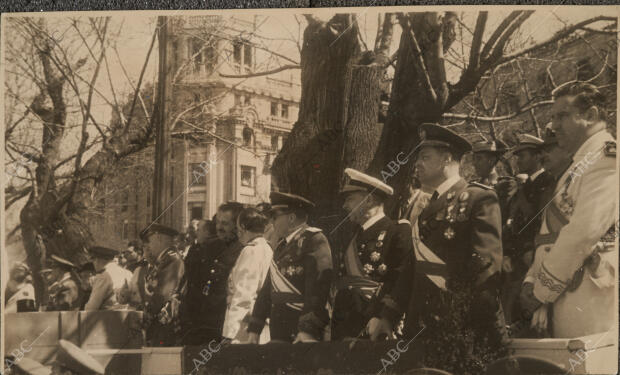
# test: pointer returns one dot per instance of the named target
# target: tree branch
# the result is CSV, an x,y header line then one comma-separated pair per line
x,y
459,116
474,56
259,74
558,36
419,65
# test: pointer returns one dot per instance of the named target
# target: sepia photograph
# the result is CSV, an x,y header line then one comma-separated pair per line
x,y
422,190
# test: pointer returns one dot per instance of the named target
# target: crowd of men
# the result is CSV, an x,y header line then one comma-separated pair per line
x,y
536,248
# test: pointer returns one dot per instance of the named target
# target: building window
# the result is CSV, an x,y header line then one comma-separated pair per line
x,y
274,142
196,54
284,110
148,198
196,98
211,58
237,100
247,176
274,108
125,231
195,210
247,137
237,47
247,56
197,176
125,204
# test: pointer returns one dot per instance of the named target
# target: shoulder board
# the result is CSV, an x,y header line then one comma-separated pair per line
x,y
313,230
610,149
478,184
404,221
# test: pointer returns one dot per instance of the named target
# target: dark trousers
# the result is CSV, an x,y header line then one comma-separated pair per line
x,y
349,316
283,323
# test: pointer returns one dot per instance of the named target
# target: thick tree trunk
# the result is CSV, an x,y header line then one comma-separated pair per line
x,y
337,125
419,92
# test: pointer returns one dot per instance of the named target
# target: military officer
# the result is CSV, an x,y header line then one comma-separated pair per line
x,y
109,280
457,243
373,259
522,220
64,290
158,282
208,265
486,156
575,265
295,292
555,159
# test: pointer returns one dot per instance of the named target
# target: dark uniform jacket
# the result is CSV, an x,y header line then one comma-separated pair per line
x,y
161,281
463,228
296,290
523,220
203,308
368,268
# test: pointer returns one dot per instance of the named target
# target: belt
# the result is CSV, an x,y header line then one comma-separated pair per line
x,y
545,239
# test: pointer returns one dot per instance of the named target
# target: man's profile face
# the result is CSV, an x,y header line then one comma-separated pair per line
x,y
554,157
202,231
568,123
356,203
527,161
429,164
155,244
282,222
225,225
484,163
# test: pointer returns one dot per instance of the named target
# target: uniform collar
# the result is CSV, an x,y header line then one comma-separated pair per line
x,y
289,238
372,220
592,144
536,174
447,184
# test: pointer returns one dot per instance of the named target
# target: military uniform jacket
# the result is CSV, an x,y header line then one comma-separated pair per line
x,y
367,270
296,290
462,227
107,285
161,281
208,267
523,219
575,266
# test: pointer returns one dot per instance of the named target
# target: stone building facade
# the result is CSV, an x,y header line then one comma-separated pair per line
x,y
223,145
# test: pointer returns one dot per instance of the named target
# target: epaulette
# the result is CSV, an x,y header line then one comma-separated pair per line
x,y
313,229
478,184
404,221
610,149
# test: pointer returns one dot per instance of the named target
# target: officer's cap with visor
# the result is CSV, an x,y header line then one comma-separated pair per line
x,y
358,181
287,203
528,142
434,135
494,147
103,252
158,229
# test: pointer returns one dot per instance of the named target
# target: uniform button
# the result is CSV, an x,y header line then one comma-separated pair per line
x,y
342,266
215,261
212,271
359,253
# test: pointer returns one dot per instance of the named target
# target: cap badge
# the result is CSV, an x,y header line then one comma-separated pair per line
x,y
450,195
449,233
464,196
